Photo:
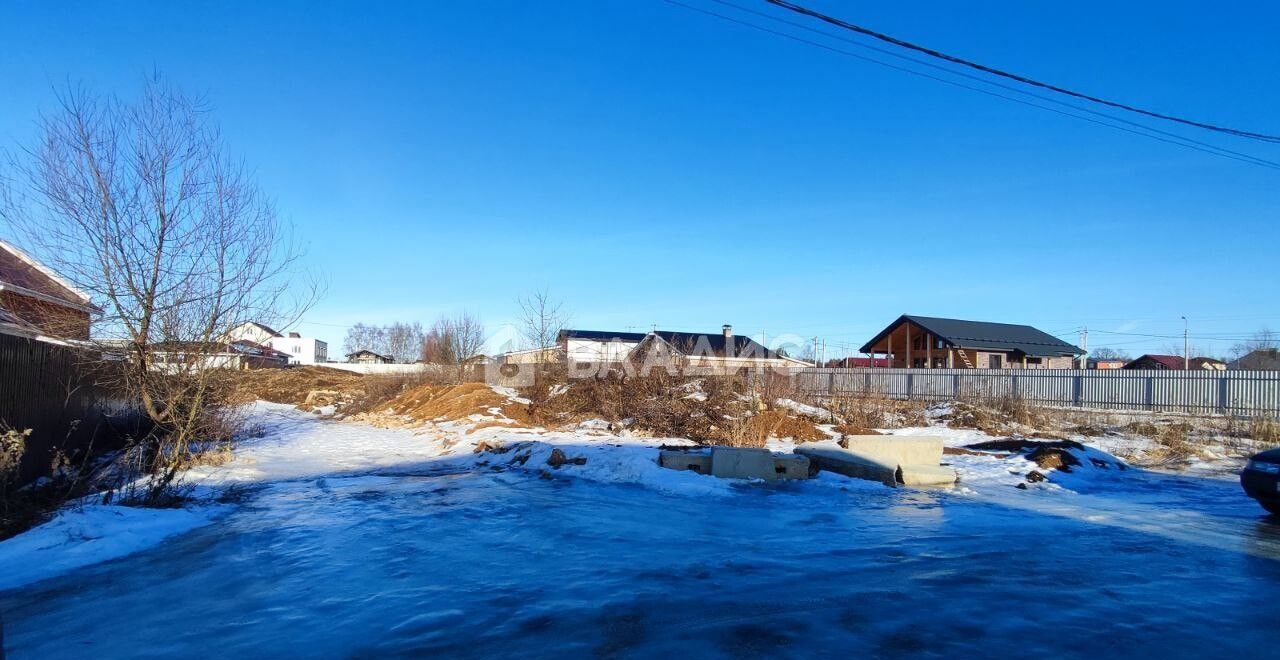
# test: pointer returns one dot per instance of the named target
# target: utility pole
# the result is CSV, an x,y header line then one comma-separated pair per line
x,y
1084,343
1186,347
816,363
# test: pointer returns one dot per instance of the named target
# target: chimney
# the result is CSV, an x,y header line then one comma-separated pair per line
x,y
294,335
727,330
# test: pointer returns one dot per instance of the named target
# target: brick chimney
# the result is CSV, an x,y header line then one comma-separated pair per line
x,y
727,330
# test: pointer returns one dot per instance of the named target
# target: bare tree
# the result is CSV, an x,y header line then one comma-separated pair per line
x,y
362,336
1104,353
138,204
541,319
403,341
1262,340
453,341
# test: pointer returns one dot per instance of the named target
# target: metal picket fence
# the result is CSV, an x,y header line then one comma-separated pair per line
x,y
1243,393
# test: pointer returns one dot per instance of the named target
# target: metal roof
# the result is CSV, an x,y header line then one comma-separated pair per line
x,y
602,335
984,335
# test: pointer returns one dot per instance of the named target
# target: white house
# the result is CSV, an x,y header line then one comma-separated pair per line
x,y
598,346
301,350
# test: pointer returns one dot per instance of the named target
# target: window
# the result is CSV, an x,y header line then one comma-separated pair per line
x,y
994,362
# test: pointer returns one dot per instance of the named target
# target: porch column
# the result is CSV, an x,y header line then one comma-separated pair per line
x,y
889,354
928,350
908,345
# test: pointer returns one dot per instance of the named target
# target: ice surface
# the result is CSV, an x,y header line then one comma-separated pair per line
x,y
354,540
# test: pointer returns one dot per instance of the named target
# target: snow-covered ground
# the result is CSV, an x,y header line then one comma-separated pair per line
x,y
307,474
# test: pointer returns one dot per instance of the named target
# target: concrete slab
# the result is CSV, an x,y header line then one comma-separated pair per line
x,y
926,475
791,467
898,449
693,461
850,464
735,463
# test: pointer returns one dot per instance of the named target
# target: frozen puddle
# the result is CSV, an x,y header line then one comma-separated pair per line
x,y
443,563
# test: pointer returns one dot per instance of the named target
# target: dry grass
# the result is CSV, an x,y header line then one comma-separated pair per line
x,y
296,385
863,412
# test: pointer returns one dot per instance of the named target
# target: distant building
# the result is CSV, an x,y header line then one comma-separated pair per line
x,y
301,350
1106,363
35,300
1175,363
923,342
365,356
1264,359
719,352
239,354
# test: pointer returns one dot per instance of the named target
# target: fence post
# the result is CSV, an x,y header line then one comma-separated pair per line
x,y
1151,392
1223,388
1013,385
911,381
956,387
1077,390
831,384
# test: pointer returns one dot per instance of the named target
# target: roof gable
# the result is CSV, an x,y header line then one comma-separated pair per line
x,y
22,271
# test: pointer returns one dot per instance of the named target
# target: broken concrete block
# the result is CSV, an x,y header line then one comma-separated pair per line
x,y
898,449
791,467
850,464
926,475
734,463
699,462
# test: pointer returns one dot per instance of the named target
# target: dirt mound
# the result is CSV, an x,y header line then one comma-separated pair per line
x,y
427,403
300,386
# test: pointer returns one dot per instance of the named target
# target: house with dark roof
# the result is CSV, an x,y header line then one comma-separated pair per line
x,y
715,352
366,356
36,300
926,342
1263,359
1153,361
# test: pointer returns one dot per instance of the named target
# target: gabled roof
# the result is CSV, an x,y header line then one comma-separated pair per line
x,y
601,335
984,335
1173,362
22,274
373,353
260,326
694,343
1260,359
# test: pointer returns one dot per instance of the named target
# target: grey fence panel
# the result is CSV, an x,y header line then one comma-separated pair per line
x,y
1245,393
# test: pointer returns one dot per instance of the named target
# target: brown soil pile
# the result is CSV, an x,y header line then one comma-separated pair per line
x,y
299,386
427,403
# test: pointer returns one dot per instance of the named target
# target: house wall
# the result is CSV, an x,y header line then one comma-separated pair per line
x,y
250,332
586,350
56,320
303,350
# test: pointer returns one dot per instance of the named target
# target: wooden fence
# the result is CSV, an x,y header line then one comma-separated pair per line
x,y
44,387
1244,393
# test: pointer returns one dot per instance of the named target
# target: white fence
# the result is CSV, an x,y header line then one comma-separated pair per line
x,y
383,369
1245,393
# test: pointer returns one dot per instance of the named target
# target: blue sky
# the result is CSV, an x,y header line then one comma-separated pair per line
x,y
649,164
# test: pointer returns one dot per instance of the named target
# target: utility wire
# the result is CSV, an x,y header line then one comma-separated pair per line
x,y
1142,130
1013,76
985,81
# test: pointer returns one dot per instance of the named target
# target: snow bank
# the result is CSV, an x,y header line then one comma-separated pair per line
x,y
90,535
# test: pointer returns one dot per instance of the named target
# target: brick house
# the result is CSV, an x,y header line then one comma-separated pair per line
x,y
36,300
923,342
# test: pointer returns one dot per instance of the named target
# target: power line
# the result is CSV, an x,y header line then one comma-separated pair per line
x,y
1013,76
1141,130
985,81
